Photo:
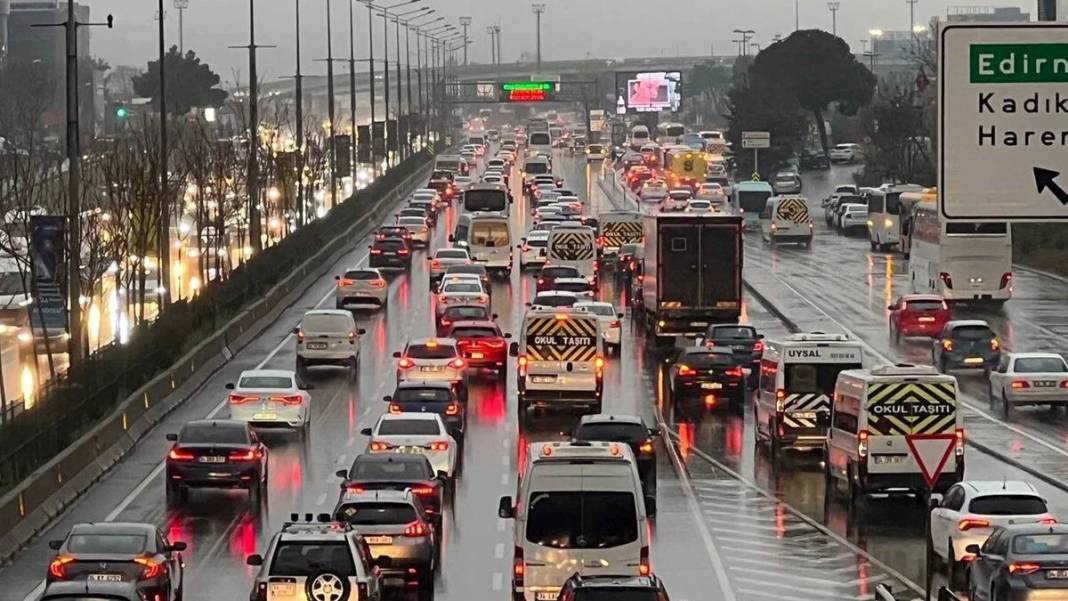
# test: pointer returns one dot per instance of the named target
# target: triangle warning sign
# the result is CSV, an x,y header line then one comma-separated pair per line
x,y
931,451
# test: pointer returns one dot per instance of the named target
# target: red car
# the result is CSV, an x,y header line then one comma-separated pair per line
x,y
918,315
482,344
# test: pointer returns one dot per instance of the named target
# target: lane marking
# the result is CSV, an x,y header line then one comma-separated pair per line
x,y
498,581
321,499
498,551
788,576
504,479
781,597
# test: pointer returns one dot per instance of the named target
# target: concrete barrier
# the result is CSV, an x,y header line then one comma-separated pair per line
x,y
36,501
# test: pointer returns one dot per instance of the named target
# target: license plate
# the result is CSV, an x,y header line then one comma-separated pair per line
x,y
212,459
265,416
973,360
428,368
283,589
317,346
543,379
803,415
545,596
741,348
105,577
379,540
1056,574
1044,384
711,385
411,450
388,254
889,459
926,319
478,355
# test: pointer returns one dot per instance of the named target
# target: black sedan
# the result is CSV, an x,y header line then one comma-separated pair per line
x,y
396,471
217,453
111,553
1020,563
629,429
711,375
618,588
390,253
415,396
744,341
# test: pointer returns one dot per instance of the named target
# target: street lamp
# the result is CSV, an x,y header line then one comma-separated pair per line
x,y
464,22
181,5
538,9
833,7
746,34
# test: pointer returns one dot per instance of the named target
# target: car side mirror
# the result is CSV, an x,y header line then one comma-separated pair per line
x,y
366,431
361,331
507,334
178,546
55,545
229,385
442,475
254,560
396,354
760,336
654,432
452,238
171,436
343,474
494,316
619,315
504,509
296,330
513,349
974,550
337,277
387,398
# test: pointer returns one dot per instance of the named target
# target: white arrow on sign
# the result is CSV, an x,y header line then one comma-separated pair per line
x,y
931,451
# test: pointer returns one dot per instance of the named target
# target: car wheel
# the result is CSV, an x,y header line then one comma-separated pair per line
x,y
650,507
354,367
1006,406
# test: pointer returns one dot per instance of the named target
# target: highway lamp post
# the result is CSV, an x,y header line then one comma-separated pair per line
x,y
464,22
330,103
746,34
538,9
402,148
493,44
912,23
875,35
797,15
408,26
833,7
385,61
352,95
298,80
163,275
424,96
181,5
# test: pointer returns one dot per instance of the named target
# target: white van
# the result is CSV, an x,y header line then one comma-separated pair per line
x,y
786,219
560,359
639,134
797,378
873,412
539,143
579,508
489,242
574,245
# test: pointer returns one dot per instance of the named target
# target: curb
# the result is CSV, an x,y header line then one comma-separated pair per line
x,y
767,304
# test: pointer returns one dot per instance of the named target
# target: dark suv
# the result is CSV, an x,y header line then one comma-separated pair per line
x,y
629,429
966,344
743,341
390,253
613,588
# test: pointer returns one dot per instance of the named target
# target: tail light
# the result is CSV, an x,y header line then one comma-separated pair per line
x,y
948,281
734,372
378,283
300,336
1018,384
1047,521
439,445
541,281
599,362
1023,568
643,562
969,523
758,346
423,491
1064,384
352,337
405,363
151,568
248,455
526,248
344,283
686,370
361,590
261,592
457,363
58,568
947,345
289,399
646,447
994,344
452,409
445,322
177,454
862,443
355,490
522,363
435,264
518,567
1006,280
960,442
403,251
494,342
394,408
238,399
377,445
442,299
416,528
614,324
780,400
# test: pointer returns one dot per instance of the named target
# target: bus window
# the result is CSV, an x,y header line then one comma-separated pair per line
x,y
968,228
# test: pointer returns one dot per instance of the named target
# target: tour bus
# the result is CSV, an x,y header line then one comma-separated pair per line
x,y
487,197
749,198
959,260
908,202
884,215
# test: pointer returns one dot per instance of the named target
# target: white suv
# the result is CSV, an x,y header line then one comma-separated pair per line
x,y
328,337
433,360
360,288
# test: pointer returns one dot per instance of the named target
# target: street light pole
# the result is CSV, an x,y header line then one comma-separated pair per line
x,y
538,8
401,148
299,80
464,22
797,15
497,30
833,7
912,23
165,205
352,89
493,44
181,5
385,80
330,103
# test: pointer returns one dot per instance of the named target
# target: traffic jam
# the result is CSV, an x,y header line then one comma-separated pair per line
x,y
564,370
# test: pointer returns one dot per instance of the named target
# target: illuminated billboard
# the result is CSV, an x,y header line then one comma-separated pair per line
x,y
650,91
527,91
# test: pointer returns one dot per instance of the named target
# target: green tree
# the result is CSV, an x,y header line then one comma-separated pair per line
x,y
900,147
816,69
758,108
190,83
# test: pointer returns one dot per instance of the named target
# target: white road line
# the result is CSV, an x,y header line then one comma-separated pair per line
x,y
501,525
780,575
730,532
498,551
321,499
794,585
498,581
781,597
504,479
505,460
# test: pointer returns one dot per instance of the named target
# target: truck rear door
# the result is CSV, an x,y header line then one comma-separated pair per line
x,y
719,274
680,266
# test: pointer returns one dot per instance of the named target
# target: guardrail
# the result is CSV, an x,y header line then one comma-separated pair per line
x,y
885,593
47,491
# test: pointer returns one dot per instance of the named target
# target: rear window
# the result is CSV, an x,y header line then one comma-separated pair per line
x,y
307,558
814,377
473,333
1036,365
582,286
554,300
924,305
539,138
536,167
491,234
539,242
426,351
267,382
218,433
972,332
377,514
1040,544
707,358
1007,505
967,228
452,254
602,310
560,272
734,332
431,395
390,244
611,432
320,322
462,287
361,274
458,313
102,543
615,593
391,470
582,520
409,427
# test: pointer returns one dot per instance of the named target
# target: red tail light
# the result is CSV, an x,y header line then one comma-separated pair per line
x,y
519,568
289,399
614,324
344,283
1006,280
457,363
376,251
405,363
947,345
1047,521
969,523
403,251
377,445
440,445
1064,384
686,370
948,281
152,569
394,408
177,454
378,283
493,342
415,529
354,489
862,443
734,372
1023,568
249,455
58,568
423,491
758,346
960,442
452,409
435,264
643,562
1018,384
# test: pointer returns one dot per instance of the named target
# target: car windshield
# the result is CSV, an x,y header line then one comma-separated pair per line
x,y
361,274
377,514
266,382
106,544
1007,505
742,332
581,520
814,377
430,351
452,253
1039,365
409,427
611,432
308,558
326,322
924,305
1040,544
422,395
217,432
614,593
414,468
972,333
462,287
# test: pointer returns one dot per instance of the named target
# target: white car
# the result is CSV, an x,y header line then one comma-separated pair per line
x,y
677,200
699,206
432,194
596,152
543,212
270,397
969,512
493,178
571,201
433,359
1029,379
496,163
710,191
328,337
653,191
581,287
845,153
421,433
361,288
418,227
855,216
555,298
466,290
787,182
545,189
462,181
532,251
445,258
610,322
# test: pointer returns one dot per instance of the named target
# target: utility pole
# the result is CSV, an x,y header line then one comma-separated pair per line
x,y
833,7
538,8
401,148
464,22
181,5
797,15
164,274
912,24
352,93
330,104
299,81
371,63
252,184
497,30
408,82
385,71
493,44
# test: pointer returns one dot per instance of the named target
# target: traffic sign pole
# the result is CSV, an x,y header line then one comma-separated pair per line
x,y
930,451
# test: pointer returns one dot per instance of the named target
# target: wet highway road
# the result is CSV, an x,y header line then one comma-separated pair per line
x,y
730,526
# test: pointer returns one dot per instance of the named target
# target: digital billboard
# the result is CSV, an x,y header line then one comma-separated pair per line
x,y
650,91
527,91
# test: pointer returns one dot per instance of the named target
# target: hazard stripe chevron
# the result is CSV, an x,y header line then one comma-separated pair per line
x,y
620,232
815,401
914,401
573,246
792,209
577,327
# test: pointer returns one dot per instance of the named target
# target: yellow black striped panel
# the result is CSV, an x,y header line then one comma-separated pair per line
x,y
792,209
898,408
572,246
569,339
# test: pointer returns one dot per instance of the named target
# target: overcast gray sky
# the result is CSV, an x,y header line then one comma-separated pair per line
x,y
570,28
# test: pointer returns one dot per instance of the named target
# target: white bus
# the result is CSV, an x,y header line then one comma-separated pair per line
x,y
960,260
884,215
